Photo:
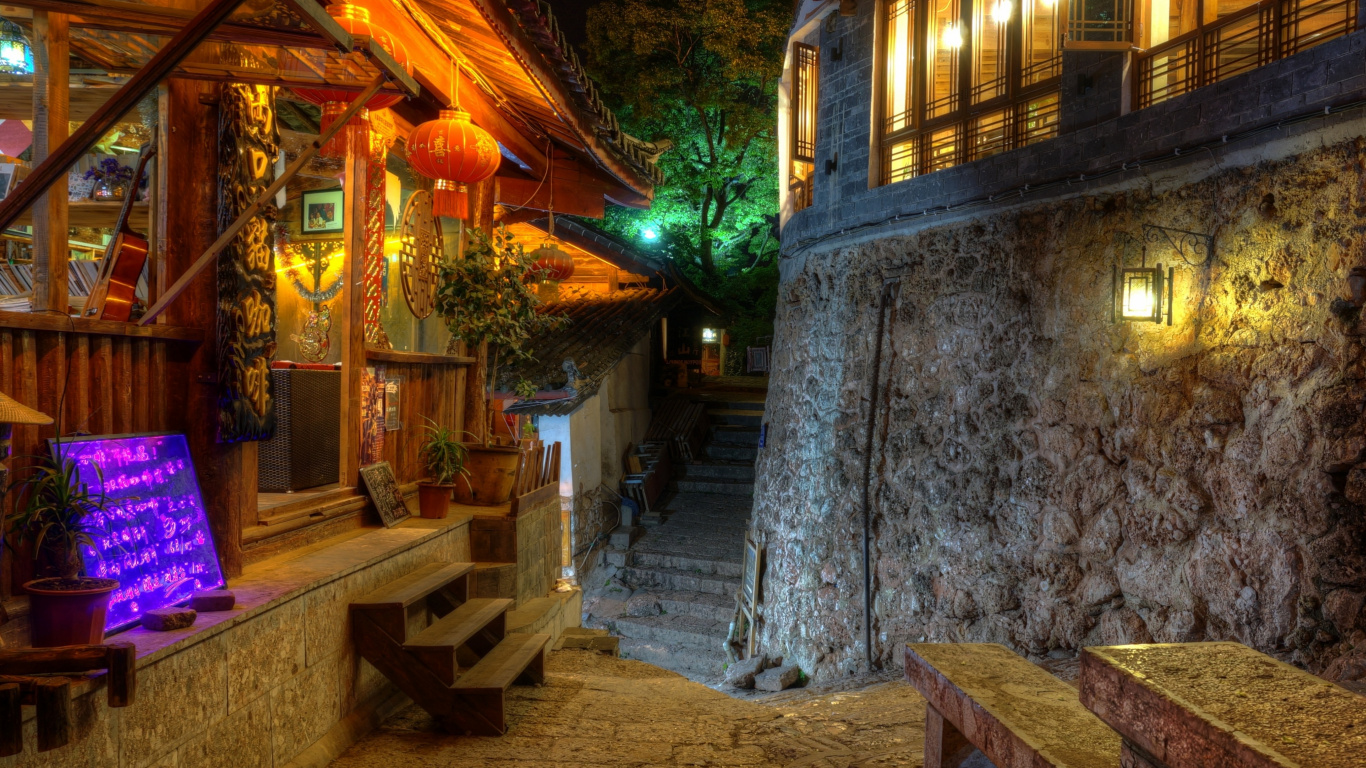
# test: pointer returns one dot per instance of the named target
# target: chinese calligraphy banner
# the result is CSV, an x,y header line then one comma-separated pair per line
x,y
248,143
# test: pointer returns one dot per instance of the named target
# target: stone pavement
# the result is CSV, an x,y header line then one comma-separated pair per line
x,y
598,711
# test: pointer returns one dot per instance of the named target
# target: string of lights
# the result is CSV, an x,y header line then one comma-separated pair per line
x,y
805,244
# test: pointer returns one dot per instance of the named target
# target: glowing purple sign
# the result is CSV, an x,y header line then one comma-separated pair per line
x,y
156,542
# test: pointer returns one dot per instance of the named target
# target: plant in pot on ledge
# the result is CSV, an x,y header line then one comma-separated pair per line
x,y
444,456
59,518
489,295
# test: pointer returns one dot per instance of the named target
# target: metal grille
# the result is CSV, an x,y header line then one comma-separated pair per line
x,y
1038,118
901,161
306,449
1240,42
942,150
805,76
901,47
989,134
1103,22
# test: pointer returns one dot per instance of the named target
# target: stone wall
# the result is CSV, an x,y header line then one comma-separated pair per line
x,y
256,687
1044,478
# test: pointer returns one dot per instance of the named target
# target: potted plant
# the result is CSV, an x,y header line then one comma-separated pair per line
x,y
110,179
57,519
490,296
444,456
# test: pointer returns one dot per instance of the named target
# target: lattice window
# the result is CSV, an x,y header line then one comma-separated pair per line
x,y
805,87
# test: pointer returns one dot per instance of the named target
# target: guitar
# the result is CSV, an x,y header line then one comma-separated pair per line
x,y
126,255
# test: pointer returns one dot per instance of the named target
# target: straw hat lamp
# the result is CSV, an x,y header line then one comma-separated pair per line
x,y
14,412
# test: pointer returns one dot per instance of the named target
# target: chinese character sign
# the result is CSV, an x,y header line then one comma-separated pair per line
x,y
155,537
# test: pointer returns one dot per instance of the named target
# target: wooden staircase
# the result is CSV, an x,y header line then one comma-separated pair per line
x,y
457,666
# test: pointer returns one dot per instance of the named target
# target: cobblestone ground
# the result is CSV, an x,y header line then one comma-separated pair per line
x,y
595,710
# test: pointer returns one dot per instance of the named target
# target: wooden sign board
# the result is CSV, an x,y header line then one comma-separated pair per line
x,y
749,584
383,489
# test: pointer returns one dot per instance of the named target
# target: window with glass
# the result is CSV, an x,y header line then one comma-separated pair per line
x,y
805,79
965,80
1191,43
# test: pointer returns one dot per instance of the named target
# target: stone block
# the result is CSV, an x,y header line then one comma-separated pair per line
x,y
213,601
241,740
742,673
264,652
304,708
167,619
778,678
178,696
643,604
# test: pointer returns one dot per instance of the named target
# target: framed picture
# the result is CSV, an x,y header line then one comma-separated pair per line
x,y
384,494
321,212
8,172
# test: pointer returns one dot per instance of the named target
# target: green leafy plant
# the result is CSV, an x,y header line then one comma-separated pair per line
x,y
60,515
528,431
443,453
524,389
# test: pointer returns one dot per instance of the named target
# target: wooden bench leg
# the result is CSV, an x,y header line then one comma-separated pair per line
x,y
945,747
1131,756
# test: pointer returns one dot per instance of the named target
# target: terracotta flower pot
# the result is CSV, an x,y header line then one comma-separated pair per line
x,y
492,471
434,500
63,612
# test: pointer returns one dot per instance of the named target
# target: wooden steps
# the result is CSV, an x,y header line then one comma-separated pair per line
x,y
427,667
517,657
480,623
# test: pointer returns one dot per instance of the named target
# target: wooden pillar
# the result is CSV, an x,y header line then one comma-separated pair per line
x,y
353,311
51,104
227,471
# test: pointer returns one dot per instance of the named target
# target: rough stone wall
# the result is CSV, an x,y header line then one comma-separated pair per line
x,y
1047,479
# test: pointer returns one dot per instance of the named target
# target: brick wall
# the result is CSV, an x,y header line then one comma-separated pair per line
x,y
1330,74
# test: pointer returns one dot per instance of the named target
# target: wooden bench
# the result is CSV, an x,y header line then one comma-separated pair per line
x,y
984,697
1221,705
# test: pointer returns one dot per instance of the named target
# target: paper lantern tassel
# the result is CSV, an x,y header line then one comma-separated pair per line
x,y
451,199
357,129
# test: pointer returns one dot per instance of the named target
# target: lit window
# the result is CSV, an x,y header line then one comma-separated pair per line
x,y
805,78
708,335
989,74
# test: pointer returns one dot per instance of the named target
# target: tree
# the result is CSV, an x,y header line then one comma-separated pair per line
x,y
702,74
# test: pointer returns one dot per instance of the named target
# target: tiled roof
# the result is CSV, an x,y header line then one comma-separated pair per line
x,y
601,329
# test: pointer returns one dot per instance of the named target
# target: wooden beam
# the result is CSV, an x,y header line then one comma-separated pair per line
x,y
571,197
51,92
266,198
161,64
353,311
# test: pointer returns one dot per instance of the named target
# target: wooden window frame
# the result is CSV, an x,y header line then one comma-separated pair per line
x,y
806,68
928,134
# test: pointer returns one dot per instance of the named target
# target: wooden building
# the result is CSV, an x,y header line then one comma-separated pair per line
x,y
224,96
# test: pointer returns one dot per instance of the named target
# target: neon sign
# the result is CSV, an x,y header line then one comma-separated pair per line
x,y
155,539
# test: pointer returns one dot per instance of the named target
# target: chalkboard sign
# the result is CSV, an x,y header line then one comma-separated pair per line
x,y
154,536
383,489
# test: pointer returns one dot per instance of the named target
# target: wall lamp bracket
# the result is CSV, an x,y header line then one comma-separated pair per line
x,y
832,164
1199,245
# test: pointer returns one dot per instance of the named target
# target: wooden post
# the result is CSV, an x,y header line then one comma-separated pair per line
x,y
123,674
52,698
353,314
51,102
11,720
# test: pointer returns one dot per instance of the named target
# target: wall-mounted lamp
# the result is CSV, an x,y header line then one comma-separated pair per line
x,y
952,38
1144,293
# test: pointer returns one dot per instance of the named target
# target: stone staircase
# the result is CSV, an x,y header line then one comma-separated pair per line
x,y
670,596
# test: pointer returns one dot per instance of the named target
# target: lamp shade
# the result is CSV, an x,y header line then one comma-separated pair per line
x,y
356,21
552,263
455,152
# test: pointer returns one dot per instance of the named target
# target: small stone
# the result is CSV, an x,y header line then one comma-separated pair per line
x,y
643,605
778,678
213,600
167,619
741,674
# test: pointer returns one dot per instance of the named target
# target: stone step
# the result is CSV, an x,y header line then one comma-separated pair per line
x,y
732,487
696,664
724,471
735,418
645,558
728,452
734,435
679,580
746,405
703,605
678,631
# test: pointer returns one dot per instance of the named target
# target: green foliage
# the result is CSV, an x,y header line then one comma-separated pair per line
x,y
490,295
59,516
525,389
704,75
443,453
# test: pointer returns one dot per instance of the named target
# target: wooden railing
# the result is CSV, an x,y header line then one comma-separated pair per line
x,y
1237,43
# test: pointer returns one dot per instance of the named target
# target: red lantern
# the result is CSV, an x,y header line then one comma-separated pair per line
x,y
455,152
553,263
356,21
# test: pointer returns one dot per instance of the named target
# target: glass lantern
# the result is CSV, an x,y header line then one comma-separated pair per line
x,y
16,57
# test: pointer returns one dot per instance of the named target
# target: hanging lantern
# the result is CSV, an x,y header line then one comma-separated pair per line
x,y
16,57
552,263
455,152
356,21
